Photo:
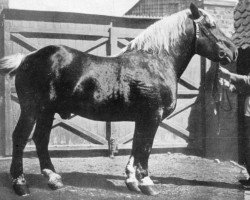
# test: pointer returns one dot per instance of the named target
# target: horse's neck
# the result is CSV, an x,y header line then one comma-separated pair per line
x,y
180,54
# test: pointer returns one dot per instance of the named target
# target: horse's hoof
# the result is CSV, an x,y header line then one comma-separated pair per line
x,y
133,186
21,189
112,156
54,179
55,182
148,190
20,186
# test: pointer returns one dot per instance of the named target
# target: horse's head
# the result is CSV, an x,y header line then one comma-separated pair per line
x,y
210,42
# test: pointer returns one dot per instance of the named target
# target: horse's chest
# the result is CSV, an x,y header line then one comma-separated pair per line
x,y
168,91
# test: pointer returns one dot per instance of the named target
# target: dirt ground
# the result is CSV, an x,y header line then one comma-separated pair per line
x,y
177,177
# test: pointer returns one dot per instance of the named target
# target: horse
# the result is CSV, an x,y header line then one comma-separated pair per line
x,y
139,84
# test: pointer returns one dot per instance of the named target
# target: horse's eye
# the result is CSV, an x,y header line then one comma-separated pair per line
x,y
213,25
209,25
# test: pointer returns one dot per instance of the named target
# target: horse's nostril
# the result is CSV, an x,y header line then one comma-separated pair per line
x,y
222,54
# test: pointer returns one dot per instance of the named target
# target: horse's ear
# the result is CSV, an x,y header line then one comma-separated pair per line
x,y
195,11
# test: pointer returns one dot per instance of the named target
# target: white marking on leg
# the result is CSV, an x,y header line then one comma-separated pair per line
x,y
55,180
19,180
146,181
130,171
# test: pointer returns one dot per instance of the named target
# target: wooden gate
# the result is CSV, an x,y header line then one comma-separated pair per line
x,y
25,31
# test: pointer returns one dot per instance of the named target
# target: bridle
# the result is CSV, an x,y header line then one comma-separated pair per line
x,y
199,27
223,94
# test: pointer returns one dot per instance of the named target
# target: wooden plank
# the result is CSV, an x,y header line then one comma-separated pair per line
x,y
182,107
101,150
21,40
97,147
87,135
58,31
177,130
187,93
124,42
188,83
95,44
127,32
126,139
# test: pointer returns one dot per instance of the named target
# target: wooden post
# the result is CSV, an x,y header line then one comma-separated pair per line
x,y
112,40
110,135
5,102
2,118
203,104
203,62
4,4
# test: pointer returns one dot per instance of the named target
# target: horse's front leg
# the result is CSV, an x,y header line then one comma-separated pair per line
x,y
137,167
131,180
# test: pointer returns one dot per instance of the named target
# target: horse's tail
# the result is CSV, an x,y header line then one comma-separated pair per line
x,y
9,64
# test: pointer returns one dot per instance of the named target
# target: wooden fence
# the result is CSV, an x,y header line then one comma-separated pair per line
x,y
25,31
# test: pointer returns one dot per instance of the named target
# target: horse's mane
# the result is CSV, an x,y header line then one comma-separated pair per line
x,y
163,34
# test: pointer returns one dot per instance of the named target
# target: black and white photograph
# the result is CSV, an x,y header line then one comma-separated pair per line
x,y
124,99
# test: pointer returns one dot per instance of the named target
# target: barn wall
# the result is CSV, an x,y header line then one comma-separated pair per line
x,y
159,8
221,125
223,14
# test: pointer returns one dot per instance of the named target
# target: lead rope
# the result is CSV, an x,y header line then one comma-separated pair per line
x,y
226,97
216,98
219,97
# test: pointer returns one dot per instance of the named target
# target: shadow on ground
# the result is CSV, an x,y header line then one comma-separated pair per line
x,y
100,181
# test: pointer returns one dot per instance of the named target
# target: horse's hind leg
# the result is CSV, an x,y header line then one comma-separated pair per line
x,y
41,138
137,167
20,137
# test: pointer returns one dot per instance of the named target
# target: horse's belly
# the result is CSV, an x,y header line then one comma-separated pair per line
x,y
105,112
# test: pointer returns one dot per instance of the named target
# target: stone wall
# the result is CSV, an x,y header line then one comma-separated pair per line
x,y
222,11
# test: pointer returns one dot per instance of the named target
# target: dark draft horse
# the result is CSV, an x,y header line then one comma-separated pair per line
x,y
139,84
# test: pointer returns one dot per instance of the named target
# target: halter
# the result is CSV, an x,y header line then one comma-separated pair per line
x,y
199,27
